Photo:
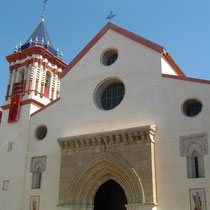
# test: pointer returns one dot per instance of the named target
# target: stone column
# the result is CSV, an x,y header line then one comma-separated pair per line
x,y
53,86
31,78
27,71
189,167
43,74
37,89
58,88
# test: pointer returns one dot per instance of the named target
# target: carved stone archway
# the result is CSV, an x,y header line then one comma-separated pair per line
x,y
125,156
97,171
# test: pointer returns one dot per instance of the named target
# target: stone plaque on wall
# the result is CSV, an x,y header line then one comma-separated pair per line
x,y
34,202
5,185
10,146
197,199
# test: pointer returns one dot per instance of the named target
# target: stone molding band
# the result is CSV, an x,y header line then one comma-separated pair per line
x,y
144,134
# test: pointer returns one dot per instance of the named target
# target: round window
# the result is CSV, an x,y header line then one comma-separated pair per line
x,y
109,57
41,132
110,94
192,107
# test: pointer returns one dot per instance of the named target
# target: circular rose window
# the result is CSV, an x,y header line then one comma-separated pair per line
x,y
110,94
41,132
109,57
192,107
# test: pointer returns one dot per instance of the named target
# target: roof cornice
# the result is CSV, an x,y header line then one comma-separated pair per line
x,y
36,49
189,79
137,135
129,35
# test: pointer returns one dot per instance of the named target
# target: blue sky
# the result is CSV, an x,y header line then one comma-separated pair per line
x,y
181,26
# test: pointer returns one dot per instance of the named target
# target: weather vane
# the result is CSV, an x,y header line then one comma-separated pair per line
x,y
44,7
111,16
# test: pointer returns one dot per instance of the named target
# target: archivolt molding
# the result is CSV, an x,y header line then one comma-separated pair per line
x,y
103,167
117,137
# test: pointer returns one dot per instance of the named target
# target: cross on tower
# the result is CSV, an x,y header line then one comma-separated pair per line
x,y
44,7
111,16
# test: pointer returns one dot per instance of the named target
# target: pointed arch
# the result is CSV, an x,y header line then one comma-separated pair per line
x,y
103,167
110,195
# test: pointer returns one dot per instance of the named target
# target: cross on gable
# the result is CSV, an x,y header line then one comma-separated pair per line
x,y
111,16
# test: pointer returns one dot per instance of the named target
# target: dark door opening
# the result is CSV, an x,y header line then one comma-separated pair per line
x,y
110,196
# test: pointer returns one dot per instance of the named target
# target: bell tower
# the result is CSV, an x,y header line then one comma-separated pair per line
x,y
34,74
34,82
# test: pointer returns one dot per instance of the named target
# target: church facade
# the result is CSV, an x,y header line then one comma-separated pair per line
x,y
127,129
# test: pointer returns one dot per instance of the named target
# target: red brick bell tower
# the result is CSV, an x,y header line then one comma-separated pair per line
x,y
34,79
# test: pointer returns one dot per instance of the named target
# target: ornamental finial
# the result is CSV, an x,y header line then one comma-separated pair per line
x,y
16,49
19,46
61,55
42,41
36,40
31,41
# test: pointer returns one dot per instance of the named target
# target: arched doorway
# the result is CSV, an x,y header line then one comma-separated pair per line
x,y
110,196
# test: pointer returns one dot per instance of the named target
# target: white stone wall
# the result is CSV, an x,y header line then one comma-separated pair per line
x,y
149,99
171,167
13,163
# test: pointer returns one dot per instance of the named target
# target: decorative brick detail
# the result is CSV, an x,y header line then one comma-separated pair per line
x,y
5,185
34,50
10,146
34,202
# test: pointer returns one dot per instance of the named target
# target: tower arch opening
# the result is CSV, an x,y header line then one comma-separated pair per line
x,y
47,84
21,75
